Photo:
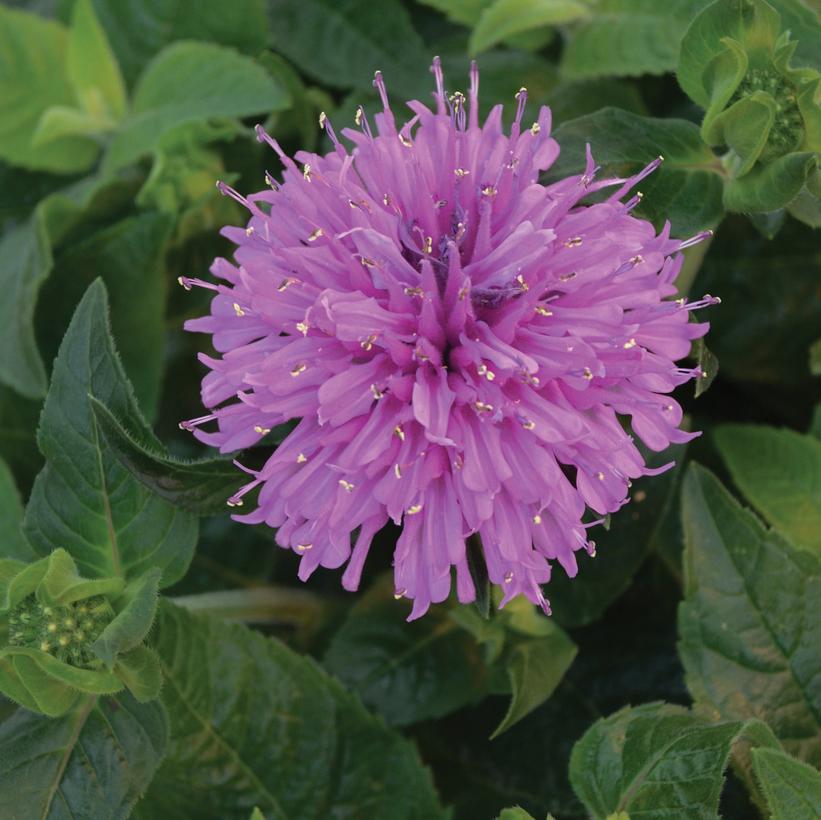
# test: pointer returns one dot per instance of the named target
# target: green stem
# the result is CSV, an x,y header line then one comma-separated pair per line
x,y
260,605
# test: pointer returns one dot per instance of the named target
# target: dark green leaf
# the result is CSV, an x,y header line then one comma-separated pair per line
x,y
406,672
187,82
515,813
686,189
18,429
655,761
253,724
138,29
84,500
634,532
12,542
25,262
201,486
750,624
341,43
128,256
779,472
535,668
93,762
628,38
792,788
763,328
33,79
506,18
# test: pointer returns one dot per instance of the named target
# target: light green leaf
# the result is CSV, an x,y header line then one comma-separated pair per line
x,y
201,486
139,669
12,542
686,189
628,37
138,29
515,813
190,81
60,121
771,186
92,67
83,500
505,18
792,788
750,623
101,757
535,668
254,724
340,43
32,79
779,472
407,672
137,607
751,23
655,761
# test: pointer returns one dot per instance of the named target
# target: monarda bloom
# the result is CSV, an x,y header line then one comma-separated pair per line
x,y
460,343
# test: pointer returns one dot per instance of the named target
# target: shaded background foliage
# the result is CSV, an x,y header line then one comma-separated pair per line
x,y
693,635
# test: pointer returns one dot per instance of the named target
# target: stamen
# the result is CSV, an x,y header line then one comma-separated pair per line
x,y
286,283
262,431
399,432
397,471
188,283
315,235
301,458
543,311
191,424
367,342
300,368
304,547
436,70
377,393
346,485
694,240
414,509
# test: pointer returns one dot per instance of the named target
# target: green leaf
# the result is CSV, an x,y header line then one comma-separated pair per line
x,y
535,668
139,669
25,262
137,607
340,43
686,189
515,813
33,78
200,487
506,18
18,430
750,623
407,672
12,542
747,22
815,358
465,12
92,67
99,758
772,185
138,29
707,362
634,532
83,500
129,257
254,724
779,472
190,81
655,761
761,334
792,788
627,38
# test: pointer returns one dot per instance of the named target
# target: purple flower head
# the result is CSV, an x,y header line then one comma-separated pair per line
x,y
459,342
